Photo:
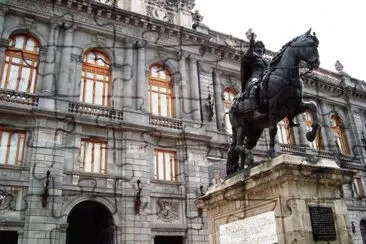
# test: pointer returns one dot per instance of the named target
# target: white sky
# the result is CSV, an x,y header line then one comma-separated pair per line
x,y
340,26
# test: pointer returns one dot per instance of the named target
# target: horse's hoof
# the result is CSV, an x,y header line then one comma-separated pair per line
x,y
239,149
271,154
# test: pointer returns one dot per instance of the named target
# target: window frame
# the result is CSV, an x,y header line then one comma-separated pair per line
x,y
339,133
21,139
173,171
232,93
27,59
162,83
96,70
290,136
83,156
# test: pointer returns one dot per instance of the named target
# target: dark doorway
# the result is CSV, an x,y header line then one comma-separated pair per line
x,y
168,240
363,230
8,237
89,222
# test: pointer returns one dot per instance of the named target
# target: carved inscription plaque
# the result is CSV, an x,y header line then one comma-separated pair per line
x,y
322,223
259,229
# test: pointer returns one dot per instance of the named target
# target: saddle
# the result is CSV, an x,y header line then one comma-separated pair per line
x,y
249,101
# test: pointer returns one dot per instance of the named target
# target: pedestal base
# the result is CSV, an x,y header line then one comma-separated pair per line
x,y
304,198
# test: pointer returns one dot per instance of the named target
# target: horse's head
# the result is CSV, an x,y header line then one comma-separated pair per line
x,y
308,49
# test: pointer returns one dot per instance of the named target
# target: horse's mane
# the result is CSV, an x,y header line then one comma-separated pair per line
x,y
277,57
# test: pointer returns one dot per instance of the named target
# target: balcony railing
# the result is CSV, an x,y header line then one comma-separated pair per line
x,y
18,97
166,122
95,110
306,151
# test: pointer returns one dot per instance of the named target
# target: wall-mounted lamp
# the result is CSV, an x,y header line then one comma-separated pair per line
x,y
353,227
363,139
138,197
45,189
210,107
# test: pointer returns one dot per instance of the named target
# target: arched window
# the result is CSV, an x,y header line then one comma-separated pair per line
x,y
285,133
161,92
20,66
229,94
339,134
318,141
96,79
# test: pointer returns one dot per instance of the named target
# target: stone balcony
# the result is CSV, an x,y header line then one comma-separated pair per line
x,y
307,151
166,122
12,96
95,110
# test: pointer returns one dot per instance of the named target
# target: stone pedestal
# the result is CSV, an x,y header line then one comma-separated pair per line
x,y
302,198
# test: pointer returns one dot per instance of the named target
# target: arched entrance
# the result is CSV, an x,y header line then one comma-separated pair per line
x,y
363,230
89,222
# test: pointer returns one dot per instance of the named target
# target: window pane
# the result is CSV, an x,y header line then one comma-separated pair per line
x,y
88,156
162,74
89,91
97,158
21,148
98,93
33,82
167,167
12,82
30,45
161,165
174,171
155,166
14,138
163,105
103,159
82,154
19,42
154,88
154,103
24,78
5,71
3,146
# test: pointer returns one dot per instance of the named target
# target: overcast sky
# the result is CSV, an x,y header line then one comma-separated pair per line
x,y
340,26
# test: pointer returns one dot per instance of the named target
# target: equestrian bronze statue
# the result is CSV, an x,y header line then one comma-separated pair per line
x,y
270,93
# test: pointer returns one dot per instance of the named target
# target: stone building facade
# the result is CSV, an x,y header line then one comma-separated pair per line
x,y
113,120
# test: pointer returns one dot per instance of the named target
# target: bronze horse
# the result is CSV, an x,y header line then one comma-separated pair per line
x,y
285,100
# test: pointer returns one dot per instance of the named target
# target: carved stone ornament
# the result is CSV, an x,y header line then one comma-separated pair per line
x,y
5,201
159,13
168,210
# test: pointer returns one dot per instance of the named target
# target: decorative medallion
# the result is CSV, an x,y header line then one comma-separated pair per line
x,y
6,201
168,210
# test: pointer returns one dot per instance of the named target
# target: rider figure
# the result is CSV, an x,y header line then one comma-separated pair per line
x,y
253,65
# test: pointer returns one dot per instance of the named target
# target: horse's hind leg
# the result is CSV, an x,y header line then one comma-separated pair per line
x,y
252,139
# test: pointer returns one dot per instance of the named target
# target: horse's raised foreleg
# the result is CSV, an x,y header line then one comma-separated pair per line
x,y
313,109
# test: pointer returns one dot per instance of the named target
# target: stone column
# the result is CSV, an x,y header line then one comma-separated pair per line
x,y
117,77
3,42
49,69
354,140
184,99
141,89
128,76
327,130
64,79
3,13
219,106
195,97
301,131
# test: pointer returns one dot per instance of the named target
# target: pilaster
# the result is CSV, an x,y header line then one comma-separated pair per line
x,y
219,106
195,97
